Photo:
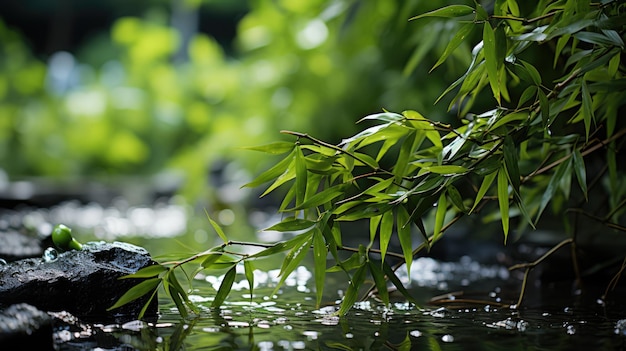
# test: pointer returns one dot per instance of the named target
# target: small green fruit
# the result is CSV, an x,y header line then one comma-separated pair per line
x,y
62,238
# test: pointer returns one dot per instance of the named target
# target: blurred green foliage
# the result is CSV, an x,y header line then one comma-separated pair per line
x,y
145,96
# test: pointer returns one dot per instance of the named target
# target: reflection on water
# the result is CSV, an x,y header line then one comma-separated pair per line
x,y
289,320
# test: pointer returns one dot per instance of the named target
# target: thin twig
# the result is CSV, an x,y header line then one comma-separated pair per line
x,y
529,267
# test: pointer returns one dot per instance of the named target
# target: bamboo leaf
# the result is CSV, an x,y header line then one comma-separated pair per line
x,y
544,105
225,286
293,259
528,93
291,224
447,169
491,60
383,117
391,275
440,216
276,148
273,172
319,258
353,290
289,174
580,171
447,12
386,229
136,292
403,225
484,186
454,43
374,223
379,281
503,200
301,176
586,109
511,161
456,198
248,270
147,272
217,228
532,72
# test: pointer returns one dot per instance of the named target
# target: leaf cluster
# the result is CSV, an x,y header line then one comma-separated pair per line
x,y
412,177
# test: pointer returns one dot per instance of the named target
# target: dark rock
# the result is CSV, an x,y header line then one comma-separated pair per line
x,y
26,326
84,283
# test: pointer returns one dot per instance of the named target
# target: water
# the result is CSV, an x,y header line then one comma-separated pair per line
x,y
289,320
553,316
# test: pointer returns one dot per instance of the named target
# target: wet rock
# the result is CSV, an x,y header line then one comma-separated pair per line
x,y
84,283
27,327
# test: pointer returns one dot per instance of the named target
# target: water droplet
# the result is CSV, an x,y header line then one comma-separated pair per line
x,y
571,330
50,255
447,338
415,333
3,262
349,336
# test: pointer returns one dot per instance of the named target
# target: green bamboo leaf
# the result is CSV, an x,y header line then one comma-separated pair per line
x,y
273,172
532,72
379,281
456,198
515,118
454,43
586,109
301,176
210,259
319,258
178,301
360,210
484,186
440,216
403,225
406,150
147,272
353,290
177,293
289,174
491,59
291,224
374,223
599,39
386,229
293,259
511,161
145,307
274,249
216,227
383,117
503,200
613,65
225,286
447,12
391,275
248,270
560,44
447,169
544,105
276,148
580,171
136,292
368,160
322,197
527,94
